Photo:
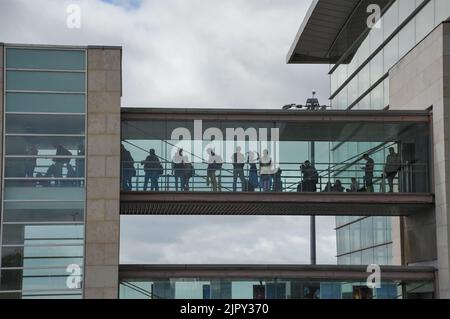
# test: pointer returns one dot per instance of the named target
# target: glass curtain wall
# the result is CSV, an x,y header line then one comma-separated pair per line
x,y
363,83
206,288
42,244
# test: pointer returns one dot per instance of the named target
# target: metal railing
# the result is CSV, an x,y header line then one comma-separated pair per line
x,y
332,177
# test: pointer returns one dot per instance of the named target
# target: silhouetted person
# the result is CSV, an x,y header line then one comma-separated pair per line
x,y
178,168
215,163
152,169
79,162
238,168
310,177
128,170
51,173
71,174
392,167
337,187
30,163
253,171
188,172
368,171
328,188
354,186
277,181
265,170
61,151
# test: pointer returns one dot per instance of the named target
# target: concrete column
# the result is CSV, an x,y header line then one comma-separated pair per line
x,y
103,174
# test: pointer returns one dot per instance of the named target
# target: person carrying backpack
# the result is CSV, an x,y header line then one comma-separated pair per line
x,y
153,170
310,177
215,163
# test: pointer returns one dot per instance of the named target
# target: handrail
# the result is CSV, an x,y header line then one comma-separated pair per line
x,y
289,179
140,290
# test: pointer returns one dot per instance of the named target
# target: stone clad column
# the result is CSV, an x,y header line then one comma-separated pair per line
x,y
420,80
103,173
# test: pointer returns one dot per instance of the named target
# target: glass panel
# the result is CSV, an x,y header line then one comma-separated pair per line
x,y
364,51
52,262
379,224
49,279
45,124
390,54
442,11
46,145
14,257
44,167
45,103
47,252
57,190
45,81
376,38
406,7
376,68
45,59
364,79
366,233
10,296
355,236
342,102
73,294
386,92
11,280
376,97
425,21
356,258
365,104
342,74
34,234
407,37
381,255
367,257
353,90
390,20
38,212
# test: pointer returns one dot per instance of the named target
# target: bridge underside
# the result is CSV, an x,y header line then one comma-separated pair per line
x,y
298,272
296,204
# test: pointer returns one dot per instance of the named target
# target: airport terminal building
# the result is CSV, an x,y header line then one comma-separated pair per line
x,y
74,160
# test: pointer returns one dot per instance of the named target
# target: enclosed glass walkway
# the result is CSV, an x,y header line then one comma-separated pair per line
x,y
176,156
272,282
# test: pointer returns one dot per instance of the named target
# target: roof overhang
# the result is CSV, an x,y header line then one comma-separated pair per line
x,y
330,29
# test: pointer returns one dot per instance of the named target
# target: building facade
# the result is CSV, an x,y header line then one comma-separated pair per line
x,y
363,83
398,64
61,170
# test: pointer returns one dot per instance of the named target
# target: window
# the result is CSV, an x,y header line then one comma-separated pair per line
x,y
44,164
425,21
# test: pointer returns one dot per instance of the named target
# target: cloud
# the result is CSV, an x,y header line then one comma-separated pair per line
x,y
223,240
184,53
127,4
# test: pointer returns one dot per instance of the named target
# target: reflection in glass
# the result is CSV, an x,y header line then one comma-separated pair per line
x,y
45,103
34,212
45,124
45,59
45,81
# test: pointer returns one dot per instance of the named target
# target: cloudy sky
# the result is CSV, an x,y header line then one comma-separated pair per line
x,y
194,53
